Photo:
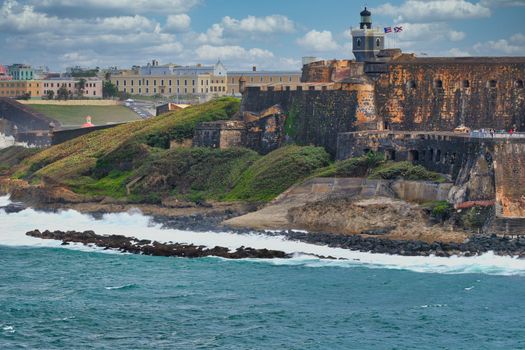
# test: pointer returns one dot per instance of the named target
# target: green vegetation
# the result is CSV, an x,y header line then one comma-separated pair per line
x,y
76,115
194,173
109,89
84,162
13,155
440,210
353,167
275,172
475,217
406,171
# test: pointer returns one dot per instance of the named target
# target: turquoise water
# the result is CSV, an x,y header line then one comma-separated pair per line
x,y
55,298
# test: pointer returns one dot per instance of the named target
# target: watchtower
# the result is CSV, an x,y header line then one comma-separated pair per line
x,y
367,41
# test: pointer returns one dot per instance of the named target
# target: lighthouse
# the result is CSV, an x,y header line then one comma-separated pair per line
x,y
367,41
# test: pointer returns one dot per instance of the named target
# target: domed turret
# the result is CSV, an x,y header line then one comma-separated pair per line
x,y
366,19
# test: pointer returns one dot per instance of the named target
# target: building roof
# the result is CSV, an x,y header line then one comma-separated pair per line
x,y
263,72
365,12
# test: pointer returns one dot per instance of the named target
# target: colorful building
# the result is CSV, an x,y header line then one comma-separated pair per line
x,y
171,80
20,88
92,87
4,73
21,72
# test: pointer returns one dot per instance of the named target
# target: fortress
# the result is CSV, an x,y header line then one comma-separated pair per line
x,y
412,108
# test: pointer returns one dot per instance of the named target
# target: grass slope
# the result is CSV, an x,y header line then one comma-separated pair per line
x,y
274,173
76,115
77,158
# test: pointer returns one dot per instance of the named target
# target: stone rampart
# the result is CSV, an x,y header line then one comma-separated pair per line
x,y
313,117
23,117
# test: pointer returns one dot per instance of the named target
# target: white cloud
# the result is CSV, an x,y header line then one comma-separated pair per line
x,y
502,3
178,23
454,35
318,41
120,6
231,29
428,32
455,52
252,24
434,10
229,52
515,46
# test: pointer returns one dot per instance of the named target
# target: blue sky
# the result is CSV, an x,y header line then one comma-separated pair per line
x,y
272,34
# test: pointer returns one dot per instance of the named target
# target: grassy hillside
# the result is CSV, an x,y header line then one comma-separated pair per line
x,y
76,115
274,173
74,160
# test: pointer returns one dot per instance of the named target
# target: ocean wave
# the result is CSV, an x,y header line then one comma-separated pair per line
x,y
126,286
14,226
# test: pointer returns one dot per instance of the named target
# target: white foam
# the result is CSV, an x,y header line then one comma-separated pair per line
x,y
14,226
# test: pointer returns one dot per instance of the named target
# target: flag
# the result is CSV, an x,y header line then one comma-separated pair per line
x,y
398,29
388,30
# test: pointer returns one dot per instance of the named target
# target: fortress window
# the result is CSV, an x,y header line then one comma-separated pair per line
x,y
358,42
492,84
311,88
299,88
519,84
438,156
378,42
466,84
412,84
438,84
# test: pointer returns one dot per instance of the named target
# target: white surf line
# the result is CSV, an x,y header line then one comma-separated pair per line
x,y
133,224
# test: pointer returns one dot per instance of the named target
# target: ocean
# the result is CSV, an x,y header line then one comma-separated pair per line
x,y
76,297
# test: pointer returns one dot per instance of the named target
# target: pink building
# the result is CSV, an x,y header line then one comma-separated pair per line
x,y
4,74
92,87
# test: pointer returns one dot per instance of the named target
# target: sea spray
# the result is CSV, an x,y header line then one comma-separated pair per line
x,y
14,226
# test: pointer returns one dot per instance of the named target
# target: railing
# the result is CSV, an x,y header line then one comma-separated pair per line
x,y
496,135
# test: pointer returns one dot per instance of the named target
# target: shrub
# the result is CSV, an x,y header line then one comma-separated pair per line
x,y
440,210
405,171
277,171
353,167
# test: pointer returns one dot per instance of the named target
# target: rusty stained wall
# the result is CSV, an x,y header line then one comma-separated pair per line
x,y
509,159
444,95
330,71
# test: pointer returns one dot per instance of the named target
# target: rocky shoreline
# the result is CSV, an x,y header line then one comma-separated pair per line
x,y
475,245
154,248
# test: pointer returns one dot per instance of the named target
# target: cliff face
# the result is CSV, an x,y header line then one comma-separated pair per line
x,y
509,164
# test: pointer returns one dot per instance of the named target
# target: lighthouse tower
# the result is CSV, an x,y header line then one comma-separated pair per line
x,y
367,41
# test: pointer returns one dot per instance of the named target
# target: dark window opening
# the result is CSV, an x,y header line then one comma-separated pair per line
x,y
299,88
519,84
324,88
311,88
466,84
438,84
431,154
412,84
445,158
492,84
438,156
378,42
413,156
390,154
358,42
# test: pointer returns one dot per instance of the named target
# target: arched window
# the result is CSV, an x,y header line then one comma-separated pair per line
x,y
466,84
358,42
519,84
378,42
438,84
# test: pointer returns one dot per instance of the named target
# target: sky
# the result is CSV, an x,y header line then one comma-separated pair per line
x,y
271,34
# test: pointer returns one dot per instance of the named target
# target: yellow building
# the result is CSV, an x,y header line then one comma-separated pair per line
x,y
19,88
289,79
172,80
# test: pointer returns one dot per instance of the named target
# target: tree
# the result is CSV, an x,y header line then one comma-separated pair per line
x,y
80,87
50,94
109,90
62,93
